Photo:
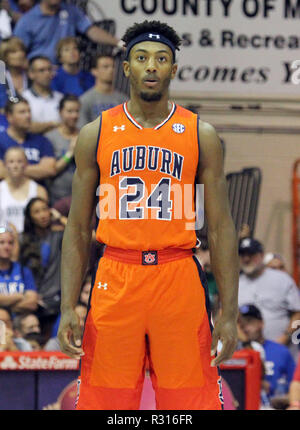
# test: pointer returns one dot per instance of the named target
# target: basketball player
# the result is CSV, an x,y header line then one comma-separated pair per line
x,y
149,297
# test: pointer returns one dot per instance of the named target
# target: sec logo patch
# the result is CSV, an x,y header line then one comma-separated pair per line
x,y
178,128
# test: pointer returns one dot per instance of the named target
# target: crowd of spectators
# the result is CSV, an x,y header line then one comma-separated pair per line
x,y
45,100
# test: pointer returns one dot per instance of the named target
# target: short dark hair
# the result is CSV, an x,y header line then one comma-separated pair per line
x,y
98,57
38,57
67,98
12,102
155,26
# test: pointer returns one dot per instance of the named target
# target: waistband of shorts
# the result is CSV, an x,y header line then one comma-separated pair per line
x,y
146,258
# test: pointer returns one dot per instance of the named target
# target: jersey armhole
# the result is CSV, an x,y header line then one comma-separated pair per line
x,y
98,137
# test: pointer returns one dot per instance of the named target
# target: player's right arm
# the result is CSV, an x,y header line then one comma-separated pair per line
x,y
77,237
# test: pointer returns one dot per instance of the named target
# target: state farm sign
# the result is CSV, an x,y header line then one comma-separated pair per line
x,y
36,361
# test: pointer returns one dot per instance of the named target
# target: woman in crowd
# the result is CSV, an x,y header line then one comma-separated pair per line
x,y
40,250
17,189
13,53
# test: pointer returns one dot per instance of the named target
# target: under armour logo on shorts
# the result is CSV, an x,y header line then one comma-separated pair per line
x,y
104,285
149,258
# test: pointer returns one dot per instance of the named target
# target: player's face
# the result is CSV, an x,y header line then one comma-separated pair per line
x,y
69,54
20,116
40,214
70,113
15,163
6,245
150,69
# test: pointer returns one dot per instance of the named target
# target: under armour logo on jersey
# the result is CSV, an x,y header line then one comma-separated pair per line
x,y
178,128
104,285
116,128
154,35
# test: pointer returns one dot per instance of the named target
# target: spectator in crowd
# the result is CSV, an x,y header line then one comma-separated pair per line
x,y
35,340
279,363
294,391
11,343
63,140
51,20
16,8
5,22
274,292
43,101
25,324
17,286
40,249
17,189
38,149
274,261
102,96
81,311
13,53
69,78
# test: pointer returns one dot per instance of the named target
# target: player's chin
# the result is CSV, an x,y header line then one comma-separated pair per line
x,y
150,96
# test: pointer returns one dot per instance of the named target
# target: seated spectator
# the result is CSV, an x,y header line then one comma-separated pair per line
x,y
279,362
16,8
10,343
85,290
102,96
44,103
17,286
69,78
294,391
17,189
81,311
26,323
54,20
13,53
35,340
5,23
38,149
40,249
63,140
274,292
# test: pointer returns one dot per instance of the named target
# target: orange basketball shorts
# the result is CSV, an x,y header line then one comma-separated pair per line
x,y
155,314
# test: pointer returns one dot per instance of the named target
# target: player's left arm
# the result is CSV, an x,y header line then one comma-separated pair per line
x,y
222,239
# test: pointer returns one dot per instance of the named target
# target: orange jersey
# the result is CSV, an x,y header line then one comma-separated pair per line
x,y
147,178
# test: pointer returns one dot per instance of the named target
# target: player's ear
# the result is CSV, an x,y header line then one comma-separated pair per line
x,y
126,68
174,70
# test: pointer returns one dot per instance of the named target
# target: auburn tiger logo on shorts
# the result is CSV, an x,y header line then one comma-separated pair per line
x,y
149,257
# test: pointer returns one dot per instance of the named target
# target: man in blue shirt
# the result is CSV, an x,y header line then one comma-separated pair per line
x,y
17,287
51,20
279,363
38,149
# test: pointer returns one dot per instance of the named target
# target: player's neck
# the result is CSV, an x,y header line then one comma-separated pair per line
x,y
149,114
17,134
